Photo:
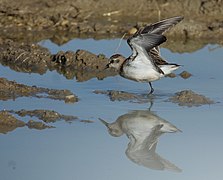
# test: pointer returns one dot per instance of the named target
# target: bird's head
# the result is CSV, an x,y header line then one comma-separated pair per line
x,y
115,61
114,128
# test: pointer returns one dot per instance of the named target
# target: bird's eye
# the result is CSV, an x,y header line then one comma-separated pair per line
x,y
117,61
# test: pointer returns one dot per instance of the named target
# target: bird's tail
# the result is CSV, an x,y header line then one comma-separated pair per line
x,y
169,68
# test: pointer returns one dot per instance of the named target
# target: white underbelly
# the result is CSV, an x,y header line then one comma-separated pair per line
x,y
141,74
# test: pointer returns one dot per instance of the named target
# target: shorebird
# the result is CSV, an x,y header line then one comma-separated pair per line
x,y
145,63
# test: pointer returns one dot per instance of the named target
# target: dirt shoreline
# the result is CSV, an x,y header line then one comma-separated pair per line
x,y
45,119
12,90
32,58
183,98
33,21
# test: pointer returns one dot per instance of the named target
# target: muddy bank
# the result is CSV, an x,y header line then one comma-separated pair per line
x,y
185,75
23,57
106,16
8,121
125,96
182,98
82,65
32,58
45,115
37,125
60,21
12,90
190,98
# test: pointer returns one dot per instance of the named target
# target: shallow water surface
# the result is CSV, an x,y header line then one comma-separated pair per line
x,y
127,140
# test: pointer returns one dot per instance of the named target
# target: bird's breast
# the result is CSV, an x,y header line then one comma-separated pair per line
x,y
140,72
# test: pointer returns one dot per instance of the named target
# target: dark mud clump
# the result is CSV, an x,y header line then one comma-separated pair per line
x,y
13,90
37,125
86,121
32,58
28,58
8,122
185,74
117,95
45,115
124,96
190,98
81,64
171,75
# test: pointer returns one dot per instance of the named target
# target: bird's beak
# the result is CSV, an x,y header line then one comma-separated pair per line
x,y
107,66
104,122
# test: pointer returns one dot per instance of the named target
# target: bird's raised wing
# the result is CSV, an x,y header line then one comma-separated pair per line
x,y
155,54
151,35
143,43
161,26
147,40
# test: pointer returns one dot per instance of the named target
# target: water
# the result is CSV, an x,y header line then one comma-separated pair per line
x,y
80,150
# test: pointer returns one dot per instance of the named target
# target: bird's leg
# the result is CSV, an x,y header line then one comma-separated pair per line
x,y
151,105
151,91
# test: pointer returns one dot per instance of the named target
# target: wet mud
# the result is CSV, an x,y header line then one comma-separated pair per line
x,y
182,98
8,122
61,21
22,57
12,90
185,74
108,17
190,98
125,96
32,58
86,121
37,125
45,118
82,65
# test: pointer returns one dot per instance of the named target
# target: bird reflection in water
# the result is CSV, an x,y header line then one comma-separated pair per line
x,y
143,128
